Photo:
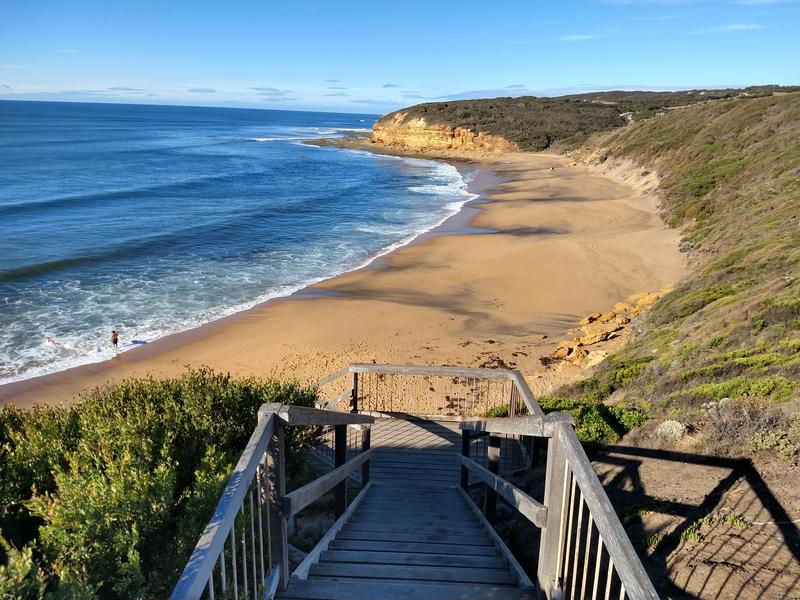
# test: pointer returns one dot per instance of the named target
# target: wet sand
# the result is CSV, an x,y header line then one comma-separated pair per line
x,y
549,248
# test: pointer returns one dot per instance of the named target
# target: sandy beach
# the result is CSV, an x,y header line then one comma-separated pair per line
x,y
548,248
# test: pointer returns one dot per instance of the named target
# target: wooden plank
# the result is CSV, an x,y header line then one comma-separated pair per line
x,y
522,578
370,513
431,371
413,573
527,395
331,377
412,526
550,549
325,589
301,572
278,538
297,500
619,547
533,510
428,548
303,415
428,538
339,460
413,558
530,425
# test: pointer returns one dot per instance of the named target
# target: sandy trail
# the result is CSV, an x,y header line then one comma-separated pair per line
x,y
565,243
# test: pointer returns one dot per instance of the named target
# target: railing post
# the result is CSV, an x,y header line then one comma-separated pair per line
x,y
550,548
465,452
366,433
354,395
276,466
339,458
493,464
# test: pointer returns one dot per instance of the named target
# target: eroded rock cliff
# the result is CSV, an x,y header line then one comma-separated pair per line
x,y
410,133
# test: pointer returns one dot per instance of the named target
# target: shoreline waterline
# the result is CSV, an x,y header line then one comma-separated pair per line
x,y
68,347
476,177
518,268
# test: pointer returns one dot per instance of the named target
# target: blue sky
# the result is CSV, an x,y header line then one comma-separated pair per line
x,y
373,57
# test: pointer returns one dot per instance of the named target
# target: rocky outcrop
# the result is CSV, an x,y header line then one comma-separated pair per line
x,y
415,134
601,327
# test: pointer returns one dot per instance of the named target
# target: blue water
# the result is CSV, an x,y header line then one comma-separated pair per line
x,y
151,220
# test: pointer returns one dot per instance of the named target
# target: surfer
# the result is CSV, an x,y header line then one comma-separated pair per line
x,y
114,339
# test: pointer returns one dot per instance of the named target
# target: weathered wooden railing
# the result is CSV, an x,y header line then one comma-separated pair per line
x,y
243,552
584,551
428,391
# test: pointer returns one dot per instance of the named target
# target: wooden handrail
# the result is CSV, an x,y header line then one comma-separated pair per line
x,y
433,371
627,564
530,425
297,500
209,546
302,415
533,510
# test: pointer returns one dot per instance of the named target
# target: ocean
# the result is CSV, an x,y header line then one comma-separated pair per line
x,y
150,220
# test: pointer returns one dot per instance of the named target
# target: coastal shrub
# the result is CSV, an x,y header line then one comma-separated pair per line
x,y
111,494
774,387
595,423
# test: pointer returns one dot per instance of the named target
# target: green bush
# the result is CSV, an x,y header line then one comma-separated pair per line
x,y
773,387
112,493
595,423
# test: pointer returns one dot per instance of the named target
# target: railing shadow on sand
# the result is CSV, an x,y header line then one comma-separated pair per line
x,y
769,559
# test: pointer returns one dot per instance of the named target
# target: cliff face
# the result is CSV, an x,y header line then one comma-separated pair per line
x,y
408,133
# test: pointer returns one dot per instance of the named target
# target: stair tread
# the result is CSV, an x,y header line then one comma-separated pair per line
x,y
357,589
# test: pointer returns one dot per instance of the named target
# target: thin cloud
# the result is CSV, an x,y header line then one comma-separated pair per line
x,y
515,86
414,96
390,85
272,94
336,94
201,91
4,87
743,27
332,81
578,37
733,27
371,102
10,66
337,87
122,88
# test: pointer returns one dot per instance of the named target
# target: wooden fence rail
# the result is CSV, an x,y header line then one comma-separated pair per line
x,y
584,551
243,551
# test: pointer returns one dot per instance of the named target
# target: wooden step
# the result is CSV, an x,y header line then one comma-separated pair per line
x,y
414,558
428,548
428,538
413,573
332,589
412,527
387,511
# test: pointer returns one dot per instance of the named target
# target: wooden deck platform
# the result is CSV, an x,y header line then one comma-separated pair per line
x,y
419,451
413,533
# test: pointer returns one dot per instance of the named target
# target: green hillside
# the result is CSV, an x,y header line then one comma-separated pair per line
x,y
536,123
731,178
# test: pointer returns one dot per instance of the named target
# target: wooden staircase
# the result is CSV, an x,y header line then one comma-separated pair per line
x,y
414,532
411,542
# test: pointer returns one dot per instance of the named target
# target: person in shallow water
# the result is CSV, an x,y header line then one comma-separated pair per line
x,y
114,338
